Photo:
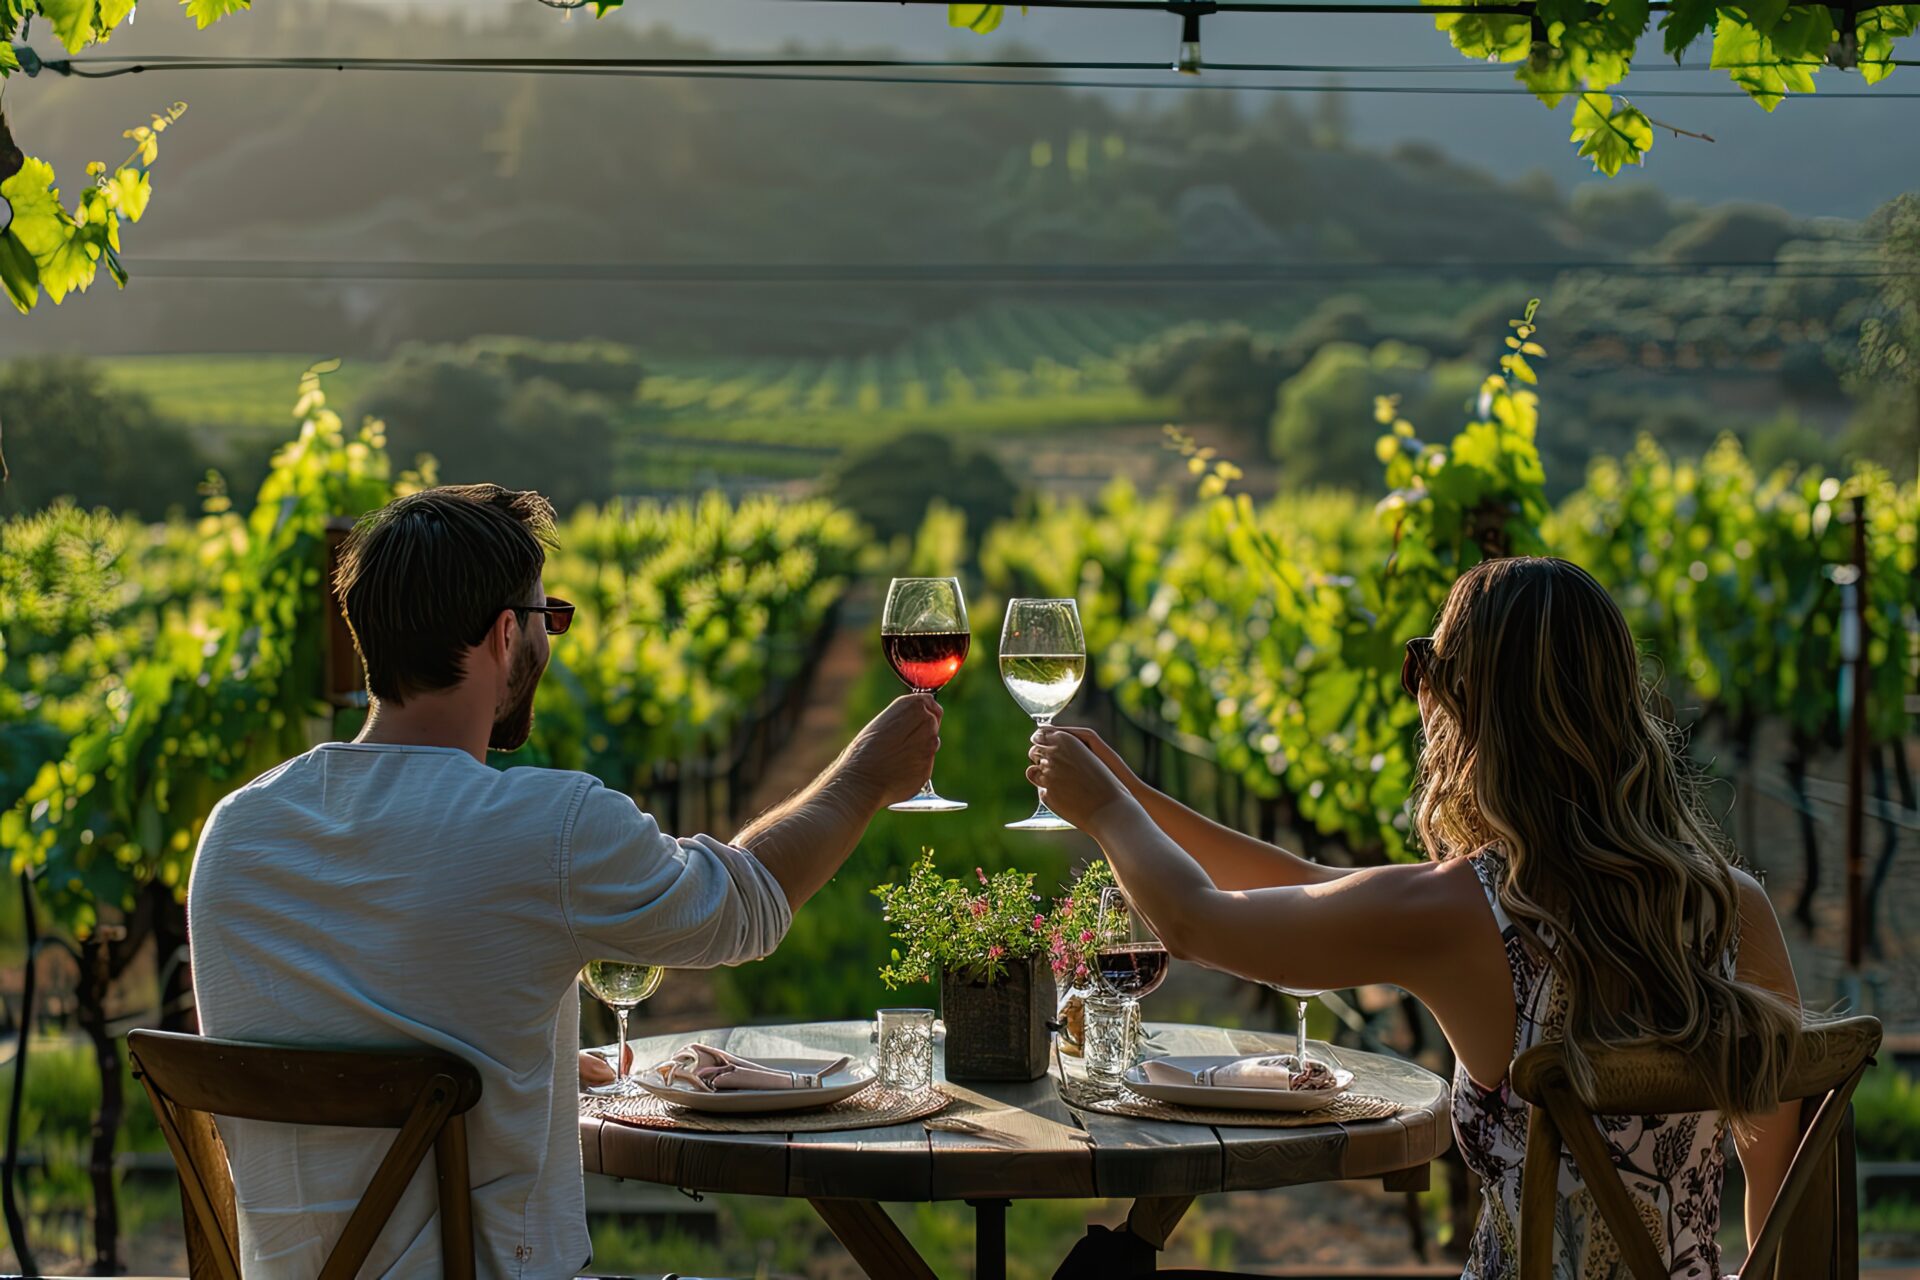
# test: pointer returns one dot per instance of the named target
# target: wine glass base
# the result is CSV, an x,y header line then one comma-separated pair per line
x,y
928,804
1039,822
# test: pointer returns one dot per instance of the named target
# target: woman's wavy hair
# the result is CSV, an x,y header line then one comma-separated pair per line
x,y
1546,744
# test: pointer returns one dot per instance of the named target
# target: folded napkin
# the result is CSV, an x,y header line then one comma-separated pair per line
x,y
1271,1072
711,1070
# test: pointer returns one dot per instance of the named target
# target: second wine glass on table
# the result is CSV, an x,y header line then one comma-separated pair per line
x,y
1043,658
1302,999
925,637
621,987
1128,958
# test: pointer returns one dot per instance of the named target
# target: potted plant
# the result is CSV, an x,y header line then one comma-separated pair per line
x,y
997,956
1071,927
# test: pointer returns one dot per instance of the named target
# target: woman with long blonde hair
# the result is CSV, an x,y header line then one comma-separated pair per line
x,y
1575,890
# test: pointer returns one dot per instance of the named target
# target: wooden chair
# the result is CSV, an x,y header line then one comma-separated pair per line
x,y
1809,1234
191,1079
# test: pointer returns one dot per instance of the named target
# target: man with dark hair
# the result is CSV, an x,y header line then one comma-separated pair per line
x,y
395,891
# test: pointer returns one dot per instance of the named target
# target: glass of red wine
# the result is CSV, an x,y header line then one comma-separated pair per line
x,y
1128,958
924,634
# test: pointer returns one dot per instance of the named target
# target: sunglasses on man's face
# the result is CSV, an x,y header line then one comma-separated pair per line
x,y
559,614
1414,667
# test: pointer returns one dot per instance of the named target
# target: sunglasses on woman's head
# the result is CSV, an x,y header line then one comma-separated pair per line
x,y
559,614
1414,667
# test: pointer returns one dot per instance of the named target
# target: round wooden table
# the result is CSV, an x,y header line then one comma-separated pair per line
x,y
1002,1142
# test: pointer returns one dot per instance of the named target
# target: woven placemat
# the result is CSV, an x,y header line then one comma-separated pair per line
x,y
1119,1100
868,1109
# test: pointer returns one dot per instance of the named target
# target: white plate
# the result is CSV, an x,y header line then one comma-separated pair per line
x,y
1218,1097
844,1083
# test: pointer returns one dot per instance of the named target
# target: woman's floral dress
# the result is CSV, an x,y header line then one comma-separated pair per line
x,y
1673,1166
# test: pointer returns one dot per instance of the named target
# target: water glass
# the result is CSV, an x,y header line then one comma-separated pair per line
x,y
1112,1035
905,1057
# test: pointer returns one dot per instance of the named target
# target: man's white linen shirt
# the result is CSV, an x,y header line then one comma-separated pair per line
x,y
375,896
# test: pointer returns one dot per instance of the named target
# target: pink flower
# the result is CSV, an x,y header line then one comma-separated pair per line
x,y
1086,936
1039,923
1080,972
1066,906
979,906
981,873
995,951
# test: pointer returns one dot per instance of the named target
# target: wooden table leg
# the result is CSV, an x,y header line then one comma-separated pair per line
x,y
1153,1218
866,1232
989,1239
1418,1178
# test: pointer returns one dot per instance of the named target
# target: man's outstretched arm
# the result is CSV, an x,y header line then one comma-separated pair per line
x,y
805,838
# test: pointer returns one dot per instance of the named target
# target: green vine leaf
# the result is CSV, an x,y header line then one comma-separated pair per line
x,y
1611,138
1876,30
1686,21
1771,62
207,12
49,248
977,18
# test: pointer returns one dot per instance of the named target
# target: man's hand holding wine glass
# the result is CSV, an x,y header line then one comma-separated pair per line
x,y
1073,781
896,748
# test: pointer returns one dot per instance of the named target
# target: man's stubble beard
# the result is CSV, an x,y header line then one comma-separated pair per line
x,y
513,725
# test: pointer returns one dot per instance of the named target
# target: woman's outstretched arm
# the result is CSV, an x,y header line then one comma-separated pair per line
x,y
1231,859
1400,924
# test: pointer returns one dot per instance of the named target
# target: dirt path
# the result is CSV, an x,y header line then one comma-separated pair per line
x,y
822,729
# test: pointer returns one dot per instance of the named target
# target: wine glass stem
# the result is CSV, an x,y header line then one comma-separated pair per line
x,y
1042,812
926,788
1300,1037
620,1054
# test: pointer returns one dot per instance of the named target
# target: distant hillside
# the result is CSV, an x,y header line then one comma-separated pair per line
x,y
446,168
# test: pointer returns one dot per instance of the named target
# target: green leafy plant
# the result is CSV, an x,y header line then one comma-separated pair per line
x,y
970,928
1072,927
1564,48
59,250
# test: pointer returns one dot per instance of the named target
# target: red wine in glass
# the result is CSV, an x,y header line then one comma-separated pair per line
x,y
1133,969
926,660
924,635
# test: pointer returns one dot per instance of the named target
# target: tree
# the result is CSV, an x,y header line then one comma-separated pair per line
x,y
467,409
1224,375
1324,431
891,485
71,433
1888,366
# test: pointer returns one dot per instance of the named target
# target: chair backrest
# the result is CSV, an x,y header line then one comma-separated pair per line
x,y
191,1079
1809,1233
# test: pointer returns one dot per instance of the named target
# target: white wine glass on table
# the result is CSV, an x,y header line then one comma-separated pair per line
x,y
1043,658
925,637
1302,999
621,987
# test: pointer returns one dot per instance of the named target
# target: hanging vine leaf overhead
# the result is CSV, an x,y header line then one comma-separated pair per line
x,y
1769,48
48,247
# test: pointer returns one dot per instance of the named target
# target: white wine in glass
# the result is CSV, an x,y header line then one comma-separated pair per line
x,y
621,987
1043,659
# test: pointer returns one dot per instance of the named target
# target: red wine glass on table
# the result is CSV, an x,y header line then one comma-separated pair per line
x,y
1129,959
924,635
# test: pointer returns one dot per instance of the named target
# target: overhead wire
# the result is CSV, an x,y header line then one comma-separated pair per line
x,y
104,66
1181,275
124,63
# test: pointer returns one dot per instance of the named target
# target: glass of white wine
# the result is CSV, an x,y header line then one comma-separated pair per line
x,y
621,987
1043,658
